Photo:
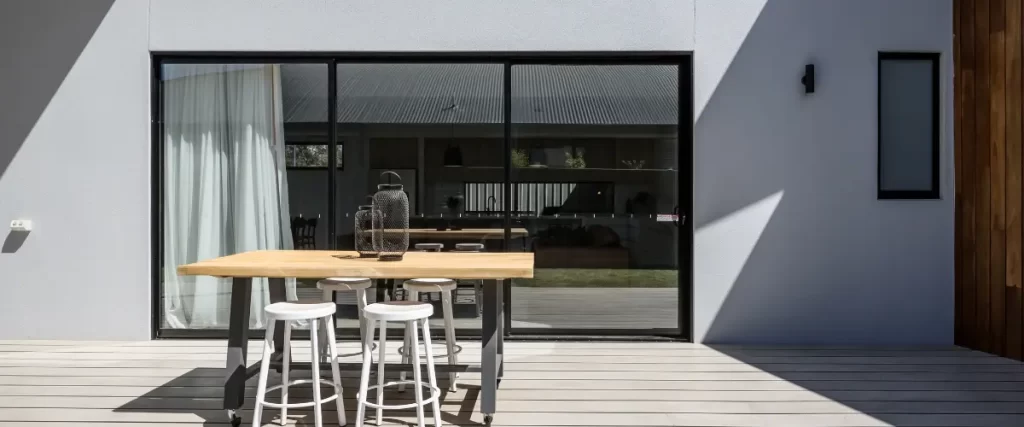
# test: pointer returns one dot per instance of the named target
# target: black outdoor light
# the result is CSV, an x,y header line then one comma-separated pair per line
x,y
808,78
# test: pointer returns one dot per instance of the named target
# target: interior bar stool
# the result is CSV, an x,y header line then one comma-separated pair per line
x,y
429,247
319,315
426,247
331,285
415,315
413,289
477,284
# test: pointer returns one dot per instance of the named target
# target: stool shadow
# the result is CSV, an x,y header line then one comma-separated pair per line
x,y
199,392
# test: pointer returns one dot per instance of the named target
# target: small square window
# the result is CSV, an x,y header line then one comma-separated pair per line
x,y
301,155
908,125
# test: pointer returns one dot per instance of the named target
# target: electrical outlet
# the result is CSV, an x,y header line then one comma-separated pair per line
x,y
21,225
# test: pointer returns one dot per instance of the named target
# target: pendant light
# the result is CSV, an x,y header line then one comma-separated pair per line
x,y
452,154
452,157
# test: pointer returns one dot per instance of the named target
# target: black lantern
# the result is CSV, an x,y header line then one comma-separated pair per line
x,y
364,231
390,220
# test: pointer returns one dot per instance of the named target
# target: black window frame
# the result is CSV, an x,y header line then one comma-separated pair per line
x,y
933,193
685,138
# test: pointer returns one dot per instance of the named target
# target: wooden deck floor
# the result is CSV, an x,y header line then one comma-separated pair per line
x,y
170,383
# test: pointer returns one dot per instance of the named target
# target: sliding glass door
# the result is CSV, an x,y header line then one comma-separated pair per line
x,y
582,161
243,168
595,186
438,127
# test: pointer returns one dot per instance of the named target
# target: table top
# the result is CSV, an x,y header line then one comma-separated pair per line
x,y
319,264
466,233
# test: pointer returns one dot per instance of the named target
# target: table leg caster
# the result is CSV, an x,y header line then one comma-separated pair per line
x,y
236,421
488,419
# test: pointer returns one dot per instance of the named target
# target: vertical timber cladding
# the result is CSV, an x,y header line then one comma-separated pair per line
x,y
988,103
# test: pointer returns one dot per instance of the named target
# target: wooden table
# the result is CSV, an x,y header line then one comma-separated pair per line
x,y
278,265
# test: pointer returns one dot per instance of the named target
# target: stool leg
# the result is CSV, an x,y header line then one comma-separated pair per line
x,y
418,386
361,306
314,337
410,296
284,370
449,336
477,294
261,389
380,368
436,405
327,296
332,349
364,377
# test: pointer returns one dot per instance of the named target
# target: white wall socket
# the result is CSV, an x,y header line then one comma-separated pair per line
x,y
21,225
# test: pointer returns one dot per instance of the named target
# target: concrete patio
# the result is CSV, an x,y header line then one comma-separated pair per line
x,y
172,383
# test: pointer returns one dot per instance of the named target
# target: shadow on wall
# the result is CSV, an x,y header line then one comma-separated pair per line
x,y
791,244
37,57
14,241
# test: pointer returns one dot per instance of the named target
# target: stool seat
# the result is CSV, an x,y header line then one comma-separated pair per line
x,y
429,285
343,283
469,247
299,310
398,311
429,246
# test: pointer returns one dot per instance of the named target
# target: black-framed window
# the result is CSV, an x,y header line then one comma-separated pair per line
x,y
488,145
908,125
311,155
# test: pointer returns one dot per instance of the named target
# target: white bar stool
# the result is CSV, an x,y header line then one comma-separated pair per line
x,y
413,313
413,289
429,247
318,315
341,284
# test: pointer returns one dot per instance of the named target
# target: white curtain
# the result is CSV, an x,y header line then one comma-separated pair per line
x,y
225,188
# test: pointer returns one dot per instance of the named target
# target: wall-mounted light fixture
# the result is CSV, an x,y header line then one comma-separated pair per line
x,y
808,78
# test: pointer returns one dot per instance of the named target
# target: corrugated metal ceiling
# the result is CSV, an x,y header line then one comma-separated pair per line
x,y
471,93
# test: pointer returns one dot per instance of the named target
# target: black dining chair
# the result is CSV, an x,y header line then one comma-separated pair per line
x,y
304,232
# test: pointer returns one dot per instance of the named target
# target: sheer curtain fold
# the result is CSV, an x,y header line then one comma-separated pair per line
x,y
225,186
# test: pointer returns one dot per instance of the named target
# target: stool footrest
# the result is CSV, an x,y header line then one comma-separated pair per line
x,y
435,393
301,404
458,349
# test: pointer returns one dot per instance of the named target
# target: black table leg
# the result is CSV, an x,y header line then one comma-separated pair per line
x,y
492,346
238,343
501,328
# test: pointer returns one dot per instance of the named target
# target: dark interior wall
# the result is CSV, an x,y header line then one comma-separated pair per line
x,y
988,128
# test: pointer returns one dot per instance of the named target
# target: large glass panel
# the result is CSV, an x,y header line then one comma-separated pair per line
x,y
242,148
439,127
595,185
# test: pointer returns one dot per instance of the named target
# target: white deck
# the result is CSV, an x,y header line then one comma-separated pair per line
x,y
170,383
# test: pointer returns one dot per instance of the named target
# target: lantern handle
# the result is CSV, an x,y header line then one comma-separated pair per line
x,y
389,178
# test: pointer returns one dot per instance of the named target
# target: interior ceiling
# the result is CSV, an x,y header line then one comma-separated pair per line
x,y
472,93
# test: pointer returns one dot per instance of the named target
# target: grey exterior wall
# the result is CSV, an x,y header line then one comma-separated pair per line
x,y
791,245
74,150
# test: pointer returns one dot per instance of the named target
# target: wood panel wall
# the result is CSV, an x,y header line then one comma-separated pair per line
x,y
988,103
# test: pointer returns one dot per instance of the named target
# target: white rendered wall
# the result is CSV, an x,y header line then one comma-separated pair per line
x,y
398,25
791,244
74,159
